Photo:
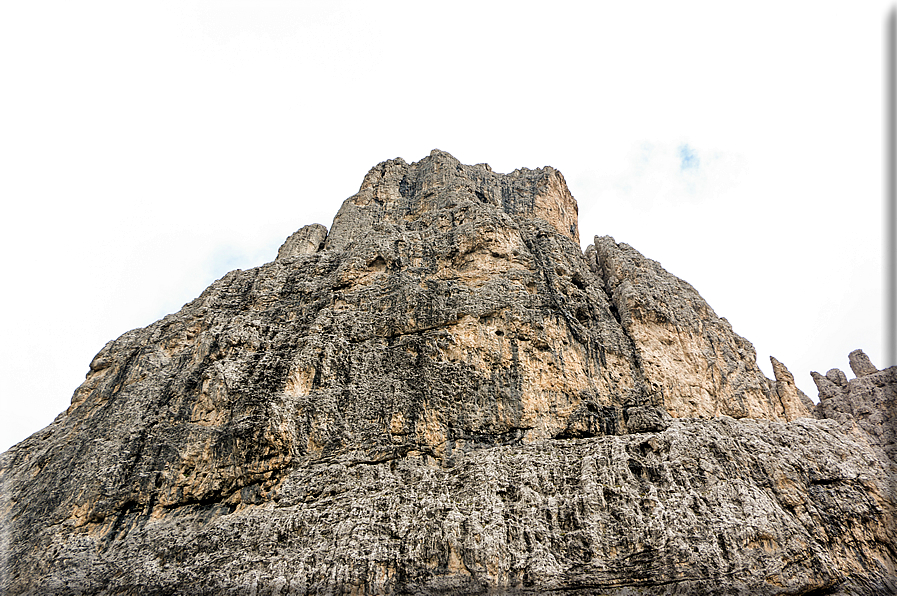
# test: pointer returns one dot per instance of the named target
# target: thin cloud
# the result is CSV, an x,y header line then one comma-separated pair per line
x,y
666,173
688,159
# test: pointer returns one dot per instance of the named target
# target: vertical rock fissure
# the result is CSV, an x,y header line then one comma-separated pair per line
x,y
641,394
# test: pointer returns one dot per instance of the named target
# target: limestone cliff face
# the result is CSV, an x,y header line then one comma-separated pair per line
x,y
445,394
691,360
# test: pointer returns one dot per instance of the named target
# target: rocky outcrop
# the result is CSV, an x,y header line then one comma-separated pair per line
x,y
869,402
794,402
692,362
445,394
307,241
860,364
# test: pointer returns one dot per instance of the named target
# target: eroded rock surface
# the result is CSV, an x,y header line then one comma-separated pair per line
x,y
868,401
692,361
445,394
308,240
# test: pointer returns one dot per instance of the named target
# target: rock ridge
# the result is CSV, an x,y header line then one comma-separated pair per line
x,y
443,393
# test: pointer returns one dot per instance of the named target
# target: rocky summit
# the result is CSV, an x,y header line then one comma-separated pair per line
x,y
444,394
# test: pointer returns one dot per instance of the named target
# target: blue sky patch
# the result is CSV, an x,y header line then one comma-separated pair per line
x,y
688,159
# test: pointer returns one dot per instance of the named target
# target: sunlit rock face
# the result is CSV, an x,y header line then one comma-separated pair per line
x,y
444,394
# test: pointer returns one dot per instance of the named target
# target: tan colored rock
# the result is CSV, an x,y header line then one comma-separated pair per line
x,y
794,402
693,362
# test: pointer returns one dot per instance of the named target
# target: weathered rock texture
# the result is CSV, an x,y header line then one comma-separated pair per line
x,y
445,395
868,401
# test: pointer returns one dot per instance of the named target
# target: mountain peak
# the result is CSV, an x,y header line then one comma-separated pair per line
x,y
444,394
421,193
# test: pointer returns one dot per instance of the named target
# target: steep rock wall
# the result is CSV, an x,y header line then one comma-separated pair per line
x,y
444,394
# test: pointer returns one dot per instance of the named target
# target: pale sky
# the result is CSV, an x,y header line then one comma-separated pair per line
x,y
147,148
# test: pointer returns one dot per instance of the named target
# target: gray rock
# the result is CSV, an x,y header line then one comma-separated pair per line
x,y
837,376
860,363
827,389
869,402
647,419
445,395
593,420
307,241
